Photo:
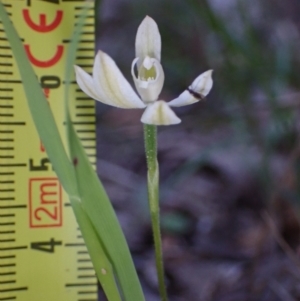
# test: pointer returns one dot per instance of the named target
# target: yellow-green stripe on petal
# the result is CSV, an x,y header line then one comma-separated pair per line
x,y
111,85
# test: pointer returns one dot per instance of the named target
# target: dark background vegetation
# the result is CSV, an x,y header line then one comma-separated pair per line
x,y
230,171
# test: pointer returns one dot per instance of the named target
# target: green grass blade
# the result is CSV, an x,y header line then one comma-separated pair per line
x,y
99,216
99,258
46,127
40,110
101,263
96,202
99,209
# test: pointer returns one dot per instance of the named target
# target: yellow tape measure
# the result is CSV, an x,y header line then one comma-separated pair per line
x,y
42,253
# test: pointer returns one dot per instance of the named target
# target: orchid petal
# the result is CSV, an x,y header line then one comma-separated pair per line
x,y
203,83
111,85
159,113
184,99
199,88
148,41
86,83
149,89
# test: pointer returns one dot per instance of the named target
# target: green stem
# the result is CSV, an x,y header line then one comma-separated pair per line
x,y
153,198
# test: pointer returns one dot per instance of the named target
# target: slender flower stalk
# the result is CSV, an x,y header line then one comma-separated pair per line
x,y
150,137
108,85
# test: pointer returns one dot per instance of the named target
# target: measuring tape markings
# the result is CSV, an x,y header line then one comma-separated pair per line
x,y
14,278
7,173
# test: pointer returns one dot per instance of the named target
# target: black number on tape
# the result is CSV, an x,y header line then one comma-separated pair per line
x,y
46,246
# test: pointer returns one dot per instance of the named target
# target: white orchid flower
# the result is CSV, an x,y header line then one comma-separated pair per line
x,y
109,86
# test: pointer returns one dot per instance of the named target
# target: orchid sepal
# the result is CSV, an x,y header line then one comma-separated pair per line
x,y
86,83
199,88
148,40
159,113
108,85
